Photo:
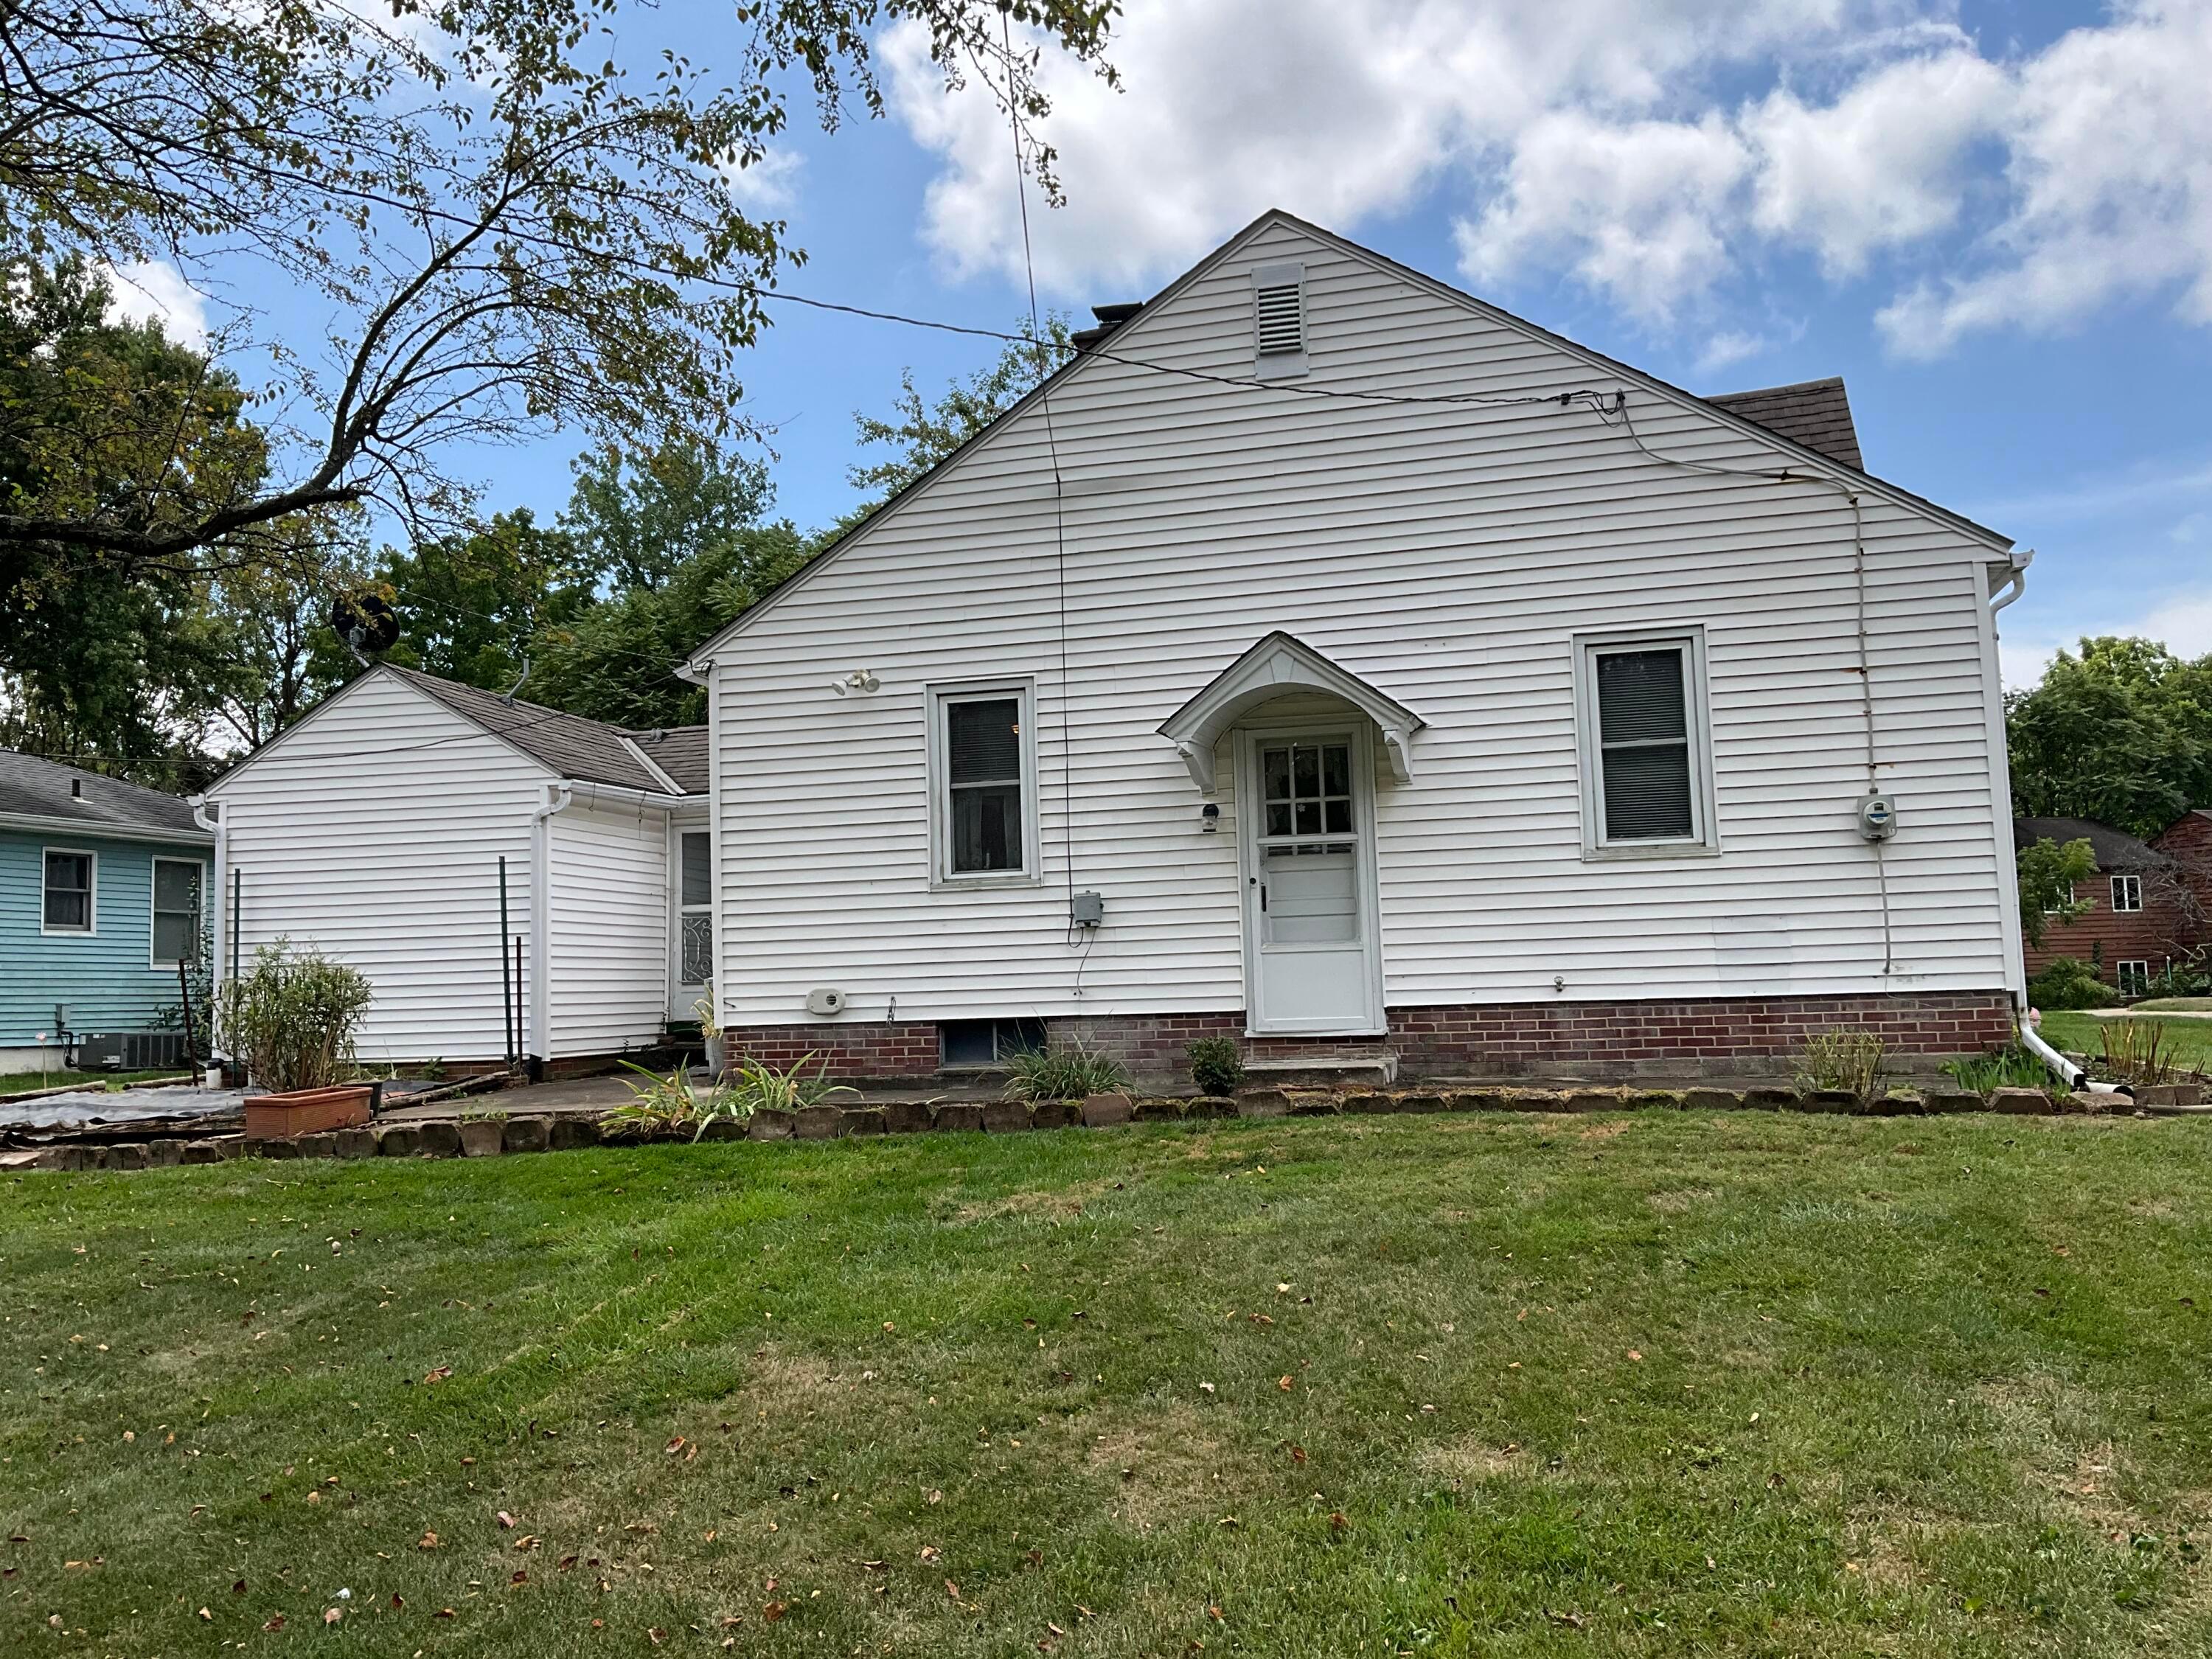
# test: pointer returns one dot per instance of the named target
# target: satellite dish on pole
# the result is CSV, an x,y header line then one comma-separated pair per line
x,y
366,622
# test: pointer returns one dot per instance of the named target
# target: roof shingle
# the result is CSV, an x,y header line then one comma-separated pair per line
x,y
32,787
589,751
1814,413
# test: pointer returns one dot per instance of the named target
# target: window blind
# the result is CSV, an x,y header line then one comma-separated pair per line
x,y
1644,738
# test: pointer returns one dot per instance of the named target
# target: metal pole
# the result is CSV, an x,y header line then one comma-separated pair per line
x,y
236,875
506,978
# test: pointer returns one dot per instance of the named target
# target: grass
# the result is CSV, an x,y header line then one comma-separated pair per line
x,y
2188,1041
1663,1384
19,1082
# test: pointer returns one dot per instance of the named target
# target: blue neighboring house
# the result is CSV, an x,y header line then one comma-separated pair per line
x,y
102,885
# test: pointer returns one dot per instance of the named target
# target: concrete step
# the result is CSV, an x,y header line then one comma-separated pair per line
x,y
1378,1068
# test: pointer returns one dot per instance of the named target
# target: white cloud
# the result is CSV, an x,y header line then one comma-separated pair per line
x,y
2110,185
1613,142
1729,347
156,291
770,184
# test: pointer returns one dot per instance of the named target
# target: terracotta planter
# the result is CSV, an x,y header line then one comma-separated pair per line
x,y
306,1112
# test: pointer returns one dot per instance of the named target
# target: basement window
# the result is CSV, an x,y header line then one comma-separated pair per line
x,y
979,1042
1279,320
2132,978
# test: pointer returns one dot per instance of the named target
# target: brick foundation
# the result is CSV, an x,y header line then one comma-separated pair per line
x,y
1703,1035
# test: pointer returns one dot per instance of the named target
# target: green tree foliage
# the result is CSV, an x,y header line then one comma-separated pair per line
x,y
509,223
473,607
2120,732
618,660
2047,874
921,434
637,524
276,656
99,656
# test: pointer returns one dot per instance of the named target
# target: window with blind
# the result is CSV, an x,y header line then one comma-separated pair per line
x,y
1646,786
980,759
176,911
68,897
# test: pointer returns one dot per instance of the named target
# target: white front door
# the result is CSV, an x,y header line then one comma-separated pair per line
x,y
1311,963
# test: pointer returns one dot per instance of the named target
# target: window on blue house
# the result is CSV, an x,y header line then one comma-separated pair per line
x,y
176,911
68,893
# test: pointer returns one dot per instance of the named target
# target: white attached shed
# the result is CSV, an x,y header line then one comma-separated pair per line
x,y
403,827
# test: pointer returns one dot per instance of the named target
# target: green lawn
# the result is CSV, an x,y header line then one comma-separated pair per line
x,y
2188,1041
1663,1384
17,1082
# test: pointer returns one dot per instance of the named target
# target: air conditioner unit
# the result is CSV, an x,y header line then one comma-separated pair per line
x,y
130,1051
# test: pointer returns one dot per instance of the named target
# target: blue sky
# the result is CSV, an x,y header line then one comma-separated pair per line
x,y
1994,218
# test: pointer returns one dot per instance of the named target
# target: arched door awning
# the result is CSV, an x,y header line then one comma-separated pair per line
x,y
1278,665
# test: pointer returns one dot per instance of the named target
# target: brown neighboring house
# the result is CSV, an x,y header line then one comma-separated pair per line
x,y
2146,903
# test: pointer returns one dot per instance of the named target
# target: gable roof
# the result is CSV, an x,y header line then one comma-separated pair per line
x,y
1814,413
2116,849
1115,320
34,788
589,751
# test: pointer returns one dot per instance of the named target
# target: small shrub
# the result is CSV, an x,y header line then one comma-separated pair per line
x,y
1846,1059
1062,1074
2070,982
1217,1065
2013,1067
750,1087
291,1018
660,1106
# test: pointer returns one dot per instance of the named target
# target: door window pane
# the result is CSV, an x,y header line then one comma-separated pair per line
x,y
68,892
1309,788
698,877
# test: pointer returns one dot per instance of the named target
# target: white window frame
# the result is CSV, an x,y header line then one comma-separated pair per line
x,y
2060,911
1704,840
2121,976
1282,364
2123,887
936,701
154,907
91,928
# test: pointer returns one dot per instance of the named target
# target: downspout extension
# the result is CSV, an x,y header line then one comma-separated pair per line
x,y
539,991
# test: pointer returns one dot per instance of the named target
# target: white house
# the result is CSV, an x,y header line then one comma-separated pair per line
x,y
1327,658
511,879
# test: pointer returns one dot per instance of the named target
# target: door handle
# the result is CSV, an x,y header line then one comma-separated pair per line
x,y
1263,898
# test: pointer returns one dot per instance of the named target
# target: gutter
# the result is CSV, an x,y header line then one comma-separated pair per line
x,y
2015,579
38,823
2073,1076
540,1045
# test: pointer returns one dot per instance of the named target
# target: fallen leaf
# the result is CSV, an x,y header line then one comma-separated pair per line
x,y
505,1519
952,1589
330,1615
429,1541
655,1633
1298,1455
675,1445
276,1622
1633,1354
519,1577
566,1562
204,1614
1212,1612
773,1611
527,1541
1336,1520
438,1374
930,1552
1208,1387
1285,1384
447,1612
398,1601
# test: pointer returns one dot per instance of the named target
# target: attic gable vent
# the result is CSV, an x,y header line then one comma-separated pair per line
x,y
1279,320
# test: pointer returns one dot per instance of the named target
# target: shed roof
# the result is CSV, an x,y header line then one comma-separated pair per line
x,y
590,750
32,787
2116,849
1814,413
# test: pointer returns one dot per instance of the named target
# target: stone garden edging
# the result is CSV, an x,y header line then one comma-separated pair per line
x,y
493,1137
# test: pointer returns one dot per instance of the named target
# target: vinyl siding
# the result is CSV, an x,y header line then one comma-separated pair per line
x,y
374,830
1446,553
610,929
105,977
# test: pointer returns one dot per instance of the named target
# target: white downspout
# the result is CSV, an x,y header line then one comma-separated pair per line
x,y
538,1048
220,897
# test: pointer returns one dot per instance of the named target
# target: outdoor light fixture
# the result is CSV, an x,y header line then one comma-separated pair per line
x,y
1209,817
